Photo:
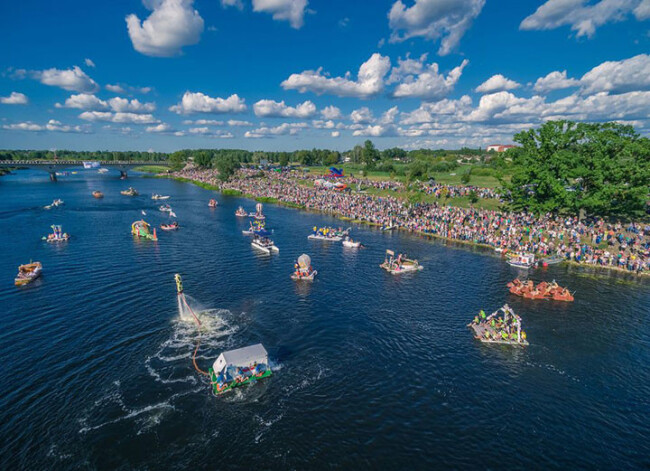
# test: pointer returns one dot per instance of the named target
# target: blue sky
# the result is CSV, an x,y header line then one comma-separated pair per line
x,y
291,74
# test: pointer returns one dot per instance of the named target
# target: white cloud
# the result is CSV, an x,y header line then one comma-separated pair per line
x,y
331,112
74,80
388,117
281,130
171,25
134,106
447,20
270,108
292,11
204,131
117,104
131,118
377,130
429,112
117,88
497,83
52,125
362,115
89,63
197,102
419,80
618,76
336,133
370,80
236,122
159,128
320,124
583,16
204,122
554,81
232,3
15,98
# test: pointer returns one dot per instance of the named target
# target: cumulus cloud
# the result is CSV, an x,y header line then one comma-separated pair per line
x,y
74,80
583,16
204,122
336,133
331,112
419,80
197,102
89,63
171,25
554,81
117,104
281,130
362,115
618,76
429,112
370,80
236,122
447,20
160,128
15,98
497,83
292,11
270,108
52,125
117,88
377,130
131,118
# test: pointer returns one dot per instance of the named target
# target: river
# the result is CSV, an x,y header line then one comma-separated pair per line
x,y
371,370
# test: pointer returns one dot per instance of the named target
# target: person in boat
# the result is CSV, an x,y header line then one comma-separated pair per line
x,y
482,314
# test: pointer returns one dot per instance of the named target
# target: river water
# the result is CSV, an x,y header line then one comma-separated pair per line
x,y
371,370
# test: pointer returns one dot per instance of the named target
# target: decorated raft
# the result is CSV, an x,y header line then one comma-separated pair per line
x,y
543,290
303,269
239,367
142,229
399,264
501,327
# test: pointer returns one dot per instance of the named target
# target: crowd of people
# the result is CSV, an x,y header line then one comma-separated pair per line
x,y
589,241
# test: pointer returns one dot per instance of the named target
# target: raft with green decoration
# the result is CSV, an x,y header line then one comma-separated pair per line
x,y
239,367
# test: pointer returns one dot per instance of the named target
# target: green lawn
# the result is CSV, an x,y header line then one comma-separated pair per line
x,y
151,169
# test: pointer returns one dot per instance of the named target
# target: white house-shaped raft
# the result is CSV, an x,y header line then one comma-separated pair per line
x,y
241,357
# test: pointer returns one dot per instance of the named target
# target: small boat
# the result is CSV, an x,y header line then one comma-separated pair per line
x,y
388,228
258,213
501,327
142,229
348,242
28,273
213,203
241,212
165,208
57,235
239,367
98,194
524,261
170,227
323,237
398,265
159,197
55,204
264,244
543,290
102,170
303,269
553,260
257,229
130,192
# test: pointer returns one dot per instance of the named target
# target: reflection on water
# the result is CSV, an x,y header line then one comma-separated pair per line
x,y
371,370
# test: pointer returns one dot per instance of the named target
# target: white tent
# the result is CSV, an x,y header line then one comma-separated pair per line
x,y
241,357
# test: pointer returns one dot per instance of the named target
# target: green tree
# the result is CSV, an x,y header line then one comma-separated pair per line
x,y
226,166
369,154
203,159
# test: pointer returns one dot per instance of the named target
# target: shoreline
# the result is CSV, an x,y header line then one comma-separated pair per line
x,y
270,200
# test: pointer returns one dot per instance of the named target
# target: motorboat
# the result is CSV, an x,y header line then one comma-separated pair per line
x,y
28,273
159,197
241,212
130,192
170,227
98,194
213,203
324,237
165,208
520,260
264,244
55,204
303,269
142,230
57,235
348,242
235,368
503,326
400,264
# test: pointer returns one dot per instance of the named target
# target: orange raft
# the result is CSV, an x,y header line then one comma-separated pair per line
x,y
543,290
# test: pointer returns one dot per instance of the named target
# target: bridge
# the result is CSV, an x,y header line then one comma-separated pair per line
x,y
53,166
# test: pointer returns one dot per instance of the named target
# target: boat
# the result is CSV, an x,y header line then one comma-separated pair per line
x,y
98,194
159,197
28,273
328,234
401,264
543,290
103,170
348,242
55,204
553,260
257,229
165,208
235,368
241,212
91,164
130,192
57,235
520,260
503,326
170,227
388,228
213,203
303,269
264,244
258,213
142,229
